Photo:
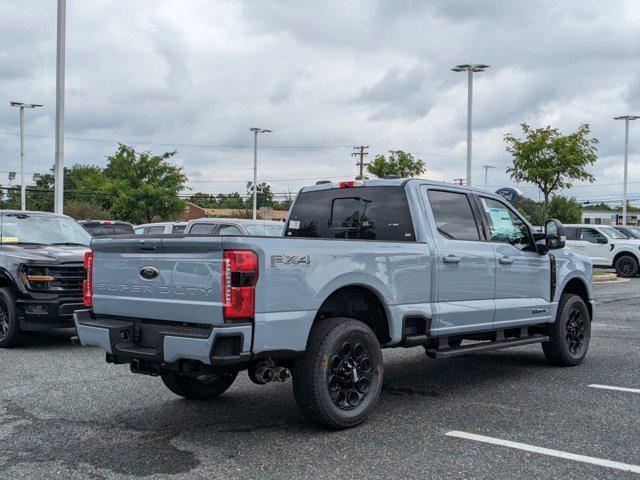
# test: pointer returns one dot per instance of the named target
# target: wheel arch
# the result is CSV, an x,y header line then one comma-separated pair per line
x,y
623,253
577,286
6,280
360,302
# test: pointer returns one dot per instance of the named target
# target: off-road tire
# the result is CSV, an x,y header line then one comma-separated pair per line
x,y
313,373
572,320
626,266
204,387
10,333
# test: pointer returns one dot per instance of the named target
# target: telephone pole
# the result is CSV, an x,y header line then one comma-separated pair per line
x,y
360,164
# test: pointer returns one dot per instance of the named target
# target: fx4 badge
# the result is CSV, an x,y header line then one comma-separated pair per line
x,y
290,260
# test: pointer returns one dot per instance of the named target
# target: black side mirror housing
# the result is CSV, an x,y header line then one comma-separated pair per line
x,y
554,234
601,240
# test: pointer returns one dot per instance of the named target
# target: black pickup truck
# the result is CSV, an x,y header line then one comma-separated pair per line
x,y
41,272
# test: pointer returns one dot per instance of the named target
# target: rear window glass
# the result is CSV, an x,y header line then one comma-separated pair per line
x,y
178,228
157,229
363,213
122,229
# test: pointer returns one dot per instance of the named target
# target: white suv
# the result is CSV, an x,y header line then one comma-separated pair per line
x,y
606,247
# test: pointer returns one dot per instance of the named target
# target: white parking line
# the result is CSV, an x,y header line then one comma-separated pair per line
x,y
625,467
619,389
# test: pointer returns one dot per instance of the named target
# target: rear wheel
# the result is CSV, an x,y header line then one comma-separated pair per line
x,y
202,387
337,381
570,334
10,333
627,266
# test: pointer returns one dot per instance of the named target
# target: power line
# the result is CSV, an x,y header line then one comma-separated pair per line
x,y
194,145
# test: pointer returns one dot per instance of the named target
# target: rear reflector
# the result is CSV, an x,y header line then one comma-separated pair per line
x,y
87,287
239,277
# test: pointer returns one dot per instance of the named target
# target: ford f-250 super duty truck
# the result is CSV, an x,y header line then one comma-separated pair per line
x,y
362,266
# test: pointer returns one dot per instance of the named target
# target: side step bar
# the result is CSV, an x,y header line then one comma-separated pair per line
x,y
485,346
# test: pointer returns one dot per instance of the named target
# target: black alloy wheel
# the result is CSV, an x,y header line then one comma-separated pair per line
x,y
575,330
349,377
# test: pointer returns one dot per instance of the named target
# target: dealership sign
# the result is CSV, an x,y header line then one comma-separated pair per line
x,y
509,194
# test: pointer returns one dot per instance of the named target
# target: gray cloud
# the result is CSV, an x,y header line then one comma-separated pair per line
x,y
329,74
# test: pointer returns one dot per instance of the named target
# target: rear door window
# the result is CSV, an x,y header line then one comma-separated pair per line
x,y
453,215
360,213
226,230
202,229
156,229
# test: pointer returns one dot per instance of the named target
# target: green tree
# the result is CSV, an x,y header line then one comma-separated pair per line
x,y
264,195
399,163
551,160
567,210
144,186
530,209
85,210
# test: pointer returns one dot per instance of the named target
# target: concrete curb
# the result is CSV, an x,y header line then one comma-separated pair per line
x,y
609,277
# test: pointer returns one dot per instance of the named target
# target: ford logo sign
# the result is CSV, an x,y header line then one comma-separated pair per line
x,y
509,194
149,273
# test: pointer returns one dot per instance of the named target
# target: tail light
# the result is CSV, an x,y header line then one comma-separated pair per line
x,y
239,277
87,284
351,184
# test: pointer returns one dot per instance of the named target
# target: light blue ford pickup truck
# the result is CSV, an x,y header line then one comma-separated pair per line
x,y
362,266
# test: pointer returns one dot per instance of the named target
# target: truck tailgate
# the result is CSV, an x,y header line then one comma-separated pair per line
x,y
171,278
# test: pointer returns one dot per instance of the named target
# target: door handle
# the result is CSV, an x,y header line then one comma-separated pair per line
x,y
451,259
506,261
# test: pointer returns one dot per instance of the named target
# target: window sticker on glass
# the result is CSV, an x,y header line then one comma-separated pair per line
x,y
500,220
294,224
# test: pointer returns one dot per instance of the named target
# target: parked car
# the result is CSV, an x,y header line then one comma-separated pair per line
x,y
605,246
105,228
160,227
234,226
41,272
631,232
362,266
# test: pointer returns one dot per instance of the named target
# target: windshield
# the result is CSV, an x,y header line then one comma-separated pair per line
x,y
265,230
634,231
613,233
23,228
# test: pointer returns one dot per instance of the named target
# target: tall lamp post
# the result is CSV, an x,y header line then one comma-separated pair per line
x,y
23,186
626,119
58,193
470,68
486,173
256,131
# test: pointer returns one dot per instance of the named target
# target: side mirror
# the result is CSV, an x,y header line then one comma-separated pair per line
x,y
554,233
601,240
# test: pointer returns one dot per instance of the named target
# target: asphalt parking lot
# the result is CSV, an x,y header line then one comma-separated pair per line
x,y
64,413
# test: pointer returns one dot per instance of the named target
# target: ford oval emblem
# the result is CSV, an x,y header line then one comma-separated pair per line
x,y
509,194
149,273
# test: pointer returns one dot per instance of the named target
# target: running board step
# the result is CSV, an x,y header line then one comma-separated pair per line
x,y
484,346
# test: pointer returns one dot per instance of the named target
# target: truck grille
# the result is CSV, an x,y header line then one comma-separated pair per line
x,y
66,278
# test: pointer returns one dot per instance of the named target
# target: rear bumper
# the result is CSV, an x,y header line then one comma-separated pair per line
x,y
46,314
126,340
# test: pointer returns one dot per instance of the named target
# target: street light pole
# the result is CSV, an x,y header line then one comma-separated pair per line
x,y
486,173
256,131
58,201
23,183
470,68
626,119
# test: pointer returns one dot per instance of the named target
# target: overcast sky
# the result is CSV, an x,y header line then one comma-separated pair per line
x,y
193,75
